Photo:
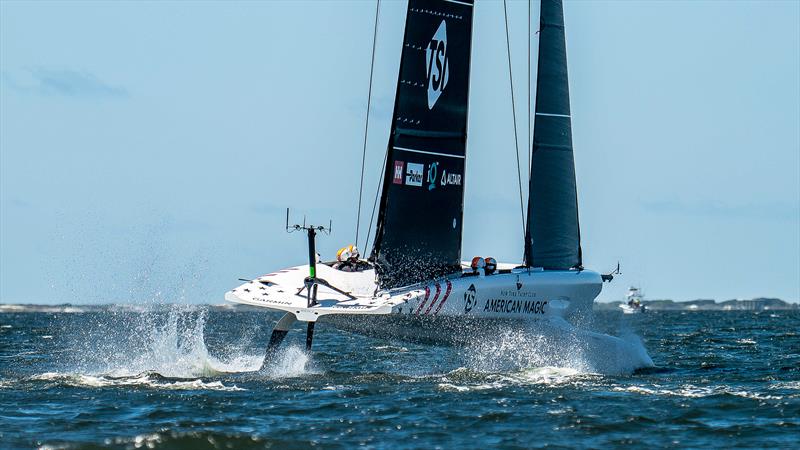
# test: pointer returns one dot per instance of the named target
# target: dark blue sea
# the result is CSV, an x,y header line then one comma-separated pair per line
x,y
185,377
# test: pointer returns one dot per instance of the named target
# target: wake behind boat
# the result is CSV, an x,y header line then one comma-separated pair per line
x,y
414,275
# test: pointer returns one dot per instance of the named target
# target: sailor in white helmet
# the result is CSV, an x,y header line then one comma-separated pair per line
x,y
347,259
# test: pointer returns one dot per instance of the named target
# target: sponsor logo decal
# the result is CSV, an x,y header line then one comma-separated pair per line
x,y
432,177
350,307
414,174
276,302
450,178
432,169
519,284
398,172
513,306
469,299
437,68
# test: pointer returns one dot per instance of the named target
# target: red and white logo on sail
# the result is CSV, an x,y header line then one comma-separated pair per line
x,y
398,172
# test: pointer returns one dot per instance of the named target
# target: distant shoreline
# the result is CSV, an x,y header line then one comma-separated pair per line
x,y
756,304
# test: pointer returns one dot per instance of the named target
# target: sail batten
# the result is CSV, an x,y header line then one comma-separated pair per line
x,y
552,237
418,234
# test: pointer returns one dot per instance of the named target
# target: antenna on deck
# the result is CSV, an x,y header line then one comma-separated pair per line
x,y
298,227
312,231
311,282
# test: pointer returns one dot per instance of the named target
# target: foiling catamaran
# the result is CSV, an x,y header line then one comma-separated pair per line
x,y
414,284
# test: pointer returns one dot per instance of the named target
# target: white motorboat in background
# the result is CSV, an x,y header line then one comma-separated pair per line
x,y
633,302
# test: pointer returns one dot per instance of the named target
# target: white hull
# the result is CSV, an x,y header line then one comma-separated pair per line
x,y
519,295
627,309
520,308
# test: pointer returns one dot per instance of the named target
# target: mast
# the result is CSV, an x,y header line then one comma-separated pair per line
x,y
418,234
552,235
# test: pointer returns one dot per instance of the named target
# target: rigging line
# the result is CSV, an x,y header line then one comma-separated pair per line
x,y
530,125
375,202
366,124
514,114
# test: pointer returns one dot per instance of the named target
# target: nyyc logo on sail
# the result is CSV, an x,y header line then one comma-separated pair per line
x,y
437,68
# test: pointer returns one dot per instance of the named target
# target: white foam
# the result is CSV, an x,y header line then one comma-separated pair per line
x,y
41,308
545,375
691,391
391,348
786,385
755,395
145,380
453,387
464,379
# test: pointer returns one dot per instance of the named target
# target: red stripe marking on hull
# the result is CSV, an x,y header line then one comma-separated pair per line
x,y
427,294
438,290
435,297
446,295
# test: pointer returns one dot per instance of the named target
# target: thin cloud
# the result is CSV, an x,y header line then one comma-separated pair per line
x,y
63,82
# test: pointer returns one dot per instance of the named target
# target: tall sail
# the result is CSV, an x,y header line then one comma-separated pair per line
x,y
418,234
552,235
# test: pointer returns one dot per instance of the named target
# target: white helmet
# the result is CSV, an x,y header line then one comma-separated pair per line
x,y
347,253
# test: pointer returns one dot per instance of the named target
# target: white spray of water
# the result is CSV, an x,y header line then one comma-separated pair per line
x,y
291,361
173,347
164,348
554,352
168,341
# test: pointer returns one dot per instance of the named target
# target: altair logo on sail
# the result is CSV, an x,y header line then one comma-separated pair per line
x,y
437,68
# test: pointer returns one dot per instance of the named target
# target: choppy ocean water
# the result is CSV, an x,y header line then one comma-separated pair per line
x,y
186,377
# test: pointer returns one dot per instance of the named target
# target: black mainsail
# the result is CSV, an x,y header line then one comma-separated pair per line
x,y
418,234
552,238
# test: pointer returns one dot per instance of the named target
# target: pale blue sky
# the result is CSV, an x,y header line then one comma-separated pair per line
x,y
149,149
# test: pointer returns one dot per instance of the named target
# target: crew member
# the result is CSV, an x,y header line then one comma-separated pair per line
x,y
491,265
477,265
347,259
